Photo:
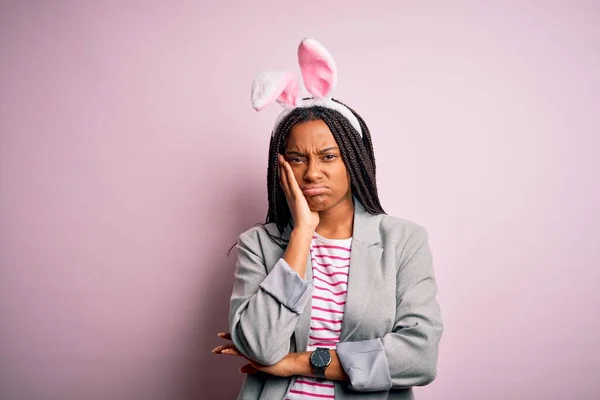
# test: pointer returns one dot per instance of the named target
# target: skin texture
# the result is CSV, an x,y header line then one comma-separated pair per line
x,y
317,187
312,160
357,152
315,160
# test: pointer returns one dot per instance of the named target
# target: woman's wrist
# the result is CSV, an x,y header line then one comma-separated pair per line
x,y
304,231
300,363
298,250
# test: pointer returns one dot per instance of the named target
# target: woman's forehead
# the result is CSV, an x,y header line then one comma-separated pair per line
x,y
310,134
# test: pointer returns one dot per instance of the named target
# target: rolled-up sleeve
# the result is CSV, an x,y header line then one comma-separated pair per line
x,y
366,365
406,356
413,345
265,303
286,286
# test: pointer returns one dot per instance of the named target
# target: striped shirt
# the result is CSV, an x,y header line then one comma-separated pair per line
x,y
330,265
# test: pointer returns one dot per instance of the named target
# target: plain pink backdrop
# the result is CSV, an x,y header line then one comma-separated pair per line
x,y
131,159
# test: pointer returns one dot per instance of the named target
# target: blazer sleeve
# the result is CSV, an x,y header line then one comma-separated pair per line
x,y
408,355
264,307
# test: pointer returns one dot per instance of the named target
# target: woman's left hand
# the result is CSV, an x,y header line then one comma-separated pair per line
x,y
283,368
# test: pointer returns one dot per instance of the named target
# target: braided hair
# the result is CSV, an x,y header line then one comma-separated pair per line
x,y
357,154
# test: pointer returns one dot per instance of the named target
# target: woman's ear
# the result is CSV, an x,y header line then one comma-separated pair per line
x,y
319,71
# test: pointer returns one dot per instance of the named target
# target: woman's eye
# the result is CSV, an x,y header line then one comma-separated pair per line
x,y
330,157
295,160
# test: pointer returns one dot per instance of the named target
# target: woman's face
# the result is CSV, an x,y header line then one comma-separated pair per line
x,y
316,160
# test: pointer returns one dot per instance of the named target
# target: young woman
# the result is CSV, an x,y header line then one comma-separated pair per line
x,y
332,298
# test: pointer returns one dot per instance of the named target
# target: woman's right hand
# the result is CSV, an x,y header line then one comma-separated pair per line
x,y
302,215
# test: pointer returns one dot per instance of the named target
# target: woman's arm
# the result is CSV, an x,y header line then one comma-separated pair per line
x,y
264,308
305,220
293,364
301,366
298,249
403,358
408,355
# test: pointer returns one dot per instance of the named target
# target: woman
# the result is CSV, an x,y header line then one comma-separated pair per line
x,y
332,298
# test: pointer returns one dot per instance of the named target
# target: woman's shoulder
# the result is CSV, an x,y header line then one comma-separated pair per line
x,y
263,233
392,222
401,229
403,235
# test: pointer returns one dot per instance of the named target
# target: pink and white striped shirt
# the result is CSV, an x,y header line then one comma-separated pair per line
x,y
330,265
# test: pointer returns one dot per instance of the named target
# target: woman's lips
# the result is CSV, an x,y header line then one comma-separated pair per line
x,y
314,190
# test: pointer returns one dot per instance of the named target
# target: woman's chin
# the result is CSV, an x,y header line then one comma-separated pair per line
x,y
318,203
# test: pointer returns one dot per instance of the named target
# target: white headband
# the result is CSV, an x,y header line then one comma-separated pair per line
x,y
319,74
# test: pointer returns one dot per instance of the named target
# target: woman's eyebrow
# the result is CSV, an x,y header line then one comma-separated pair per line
x,y
294,153
300,154
327,150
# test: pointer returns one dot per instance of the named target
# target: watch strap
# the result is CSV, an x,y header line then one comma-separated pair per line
x,y
319,373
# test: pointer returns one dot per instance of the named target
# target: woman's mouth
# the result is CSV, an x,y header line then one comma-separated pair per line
x,y
313,190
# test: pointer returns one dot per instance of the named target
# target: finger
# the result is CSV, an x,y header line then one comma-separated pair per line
x,y
232,351
217,349
289,175
293,186
281,171
283,181
224,335
227,349
248,369
220,349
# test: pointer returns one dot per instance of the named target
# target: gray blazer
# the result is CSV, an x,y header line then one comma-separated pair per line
x,y
392,323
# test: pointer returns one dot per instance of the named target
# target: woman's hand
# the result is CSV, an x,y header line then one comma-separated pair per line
x,y
284,368
303,216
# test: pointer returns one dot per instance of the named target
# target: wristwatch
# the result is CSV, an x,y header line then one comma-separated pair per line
x,y
319,361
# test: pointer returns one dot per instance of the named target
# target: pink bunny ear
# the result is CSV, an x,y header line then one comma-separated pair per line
x,y
272,86
319,71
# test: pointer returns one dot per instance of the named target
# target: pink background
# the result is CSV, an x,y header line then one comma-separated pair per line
x,y
130,160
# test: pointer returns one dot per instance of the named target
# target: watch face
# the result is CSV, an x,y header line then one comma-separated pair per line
x,y
320,358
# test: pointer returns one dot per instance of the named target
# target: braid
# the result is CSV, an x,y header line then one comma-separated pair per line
x,y
357,155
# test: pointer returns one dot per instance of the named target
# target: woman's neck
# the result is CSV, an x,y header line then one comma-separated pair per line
x,y
337,222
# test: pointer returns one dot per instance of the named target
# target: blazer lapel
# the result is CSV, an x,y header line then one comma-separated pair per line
x,y
364,257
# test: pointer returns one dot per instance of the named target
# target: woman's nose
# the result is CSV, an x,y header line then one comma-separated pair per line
x,y
313,172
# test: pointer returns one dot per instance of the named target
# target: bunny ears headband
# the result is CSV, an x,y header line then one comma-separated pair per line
x,y
319,74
